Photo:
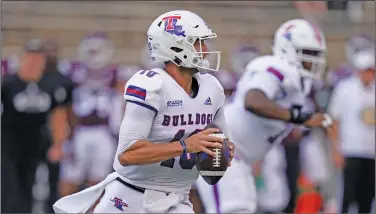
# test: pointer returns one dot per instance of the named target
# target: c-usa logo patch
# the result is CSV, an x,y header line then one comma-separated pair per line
x,y
172,103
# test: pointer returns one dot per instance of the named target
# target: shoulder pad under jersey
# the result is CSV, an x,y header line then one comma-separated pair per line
x,y
143,88
272,64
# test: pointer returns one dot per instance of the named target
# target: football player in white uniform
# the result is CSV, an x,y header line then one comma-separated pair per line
x,y
161,129
266,106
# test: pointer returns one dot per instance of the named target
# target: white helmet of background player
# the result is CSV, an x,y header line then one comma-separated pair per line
x,y
171,38
302,44
96,50
358,44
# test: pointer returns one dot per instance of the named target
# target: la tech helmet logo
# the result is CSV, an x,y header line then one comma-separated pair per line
x,y
171,26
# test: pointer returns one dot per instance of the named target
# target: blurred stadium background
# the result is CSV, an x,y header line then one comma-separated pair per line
x,y
235,22
126,23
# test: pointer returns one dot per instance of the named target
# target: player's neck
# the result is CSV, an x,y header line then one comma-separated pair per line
x,y
182,76
184,80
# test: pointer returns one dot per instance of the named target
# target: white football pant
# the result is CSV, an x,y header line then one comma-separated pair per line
x,y
314,159
119,198
89,155
273,193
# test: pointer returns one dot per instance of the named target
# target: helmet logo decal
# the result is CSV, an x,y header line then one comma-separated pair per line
x,y
171,26
287,33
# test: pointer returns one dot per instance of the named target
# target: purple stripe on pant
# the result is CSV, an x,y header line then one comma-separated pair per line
x,y
216,198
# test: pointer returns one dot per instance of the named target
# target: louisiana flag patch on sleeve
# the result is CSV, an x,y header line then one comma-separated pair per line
x,y
135,91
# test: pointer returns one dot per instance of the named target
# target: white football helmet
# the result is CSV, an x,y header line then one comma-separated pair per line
x,y
96,50
302,44
172,35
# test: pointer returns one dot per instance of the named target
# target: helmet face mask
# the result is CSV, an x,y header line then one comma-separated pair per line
x,y
204,59
302,44
179,37
313,63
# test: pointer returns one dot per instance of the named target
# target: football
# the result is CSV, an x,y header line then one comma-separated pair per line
x,y
213,168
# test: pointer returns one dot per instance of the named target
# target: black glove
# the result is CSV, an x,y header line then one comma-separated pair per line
x,y
298,117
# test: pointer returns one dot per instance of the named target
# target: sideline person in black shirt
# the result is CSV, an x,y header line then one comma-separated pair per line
x,y
31,99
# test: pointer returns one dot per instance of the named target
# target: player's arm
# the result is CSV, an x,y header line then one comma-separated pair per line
x,y
59,122
133,143
337,102
59,125
258,103
335,110
59,132
134,147
264,86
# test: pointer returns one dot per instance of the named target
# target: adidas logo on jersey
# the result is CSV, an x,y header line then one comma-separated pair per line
x,y
208,102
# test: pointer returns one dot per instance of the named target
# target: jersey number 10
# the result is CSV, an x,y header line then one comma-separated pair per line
x,y
185,162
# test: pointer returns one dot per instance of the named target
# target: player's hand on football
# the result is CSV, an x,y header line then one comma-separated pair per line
x,y
202,141
319,120
231,146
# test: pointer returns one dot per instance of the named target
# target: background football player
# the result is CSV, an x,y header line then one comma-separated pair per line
x,y
269,99
95,105
240,57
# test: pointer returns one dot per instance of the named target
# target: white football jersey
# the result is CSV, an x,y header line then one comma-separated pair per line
x,y
178,116
280,81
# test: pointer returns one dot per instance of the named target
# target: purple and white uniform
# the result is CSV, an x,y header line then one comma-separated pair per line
x,y
95,106
254,136
171,115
